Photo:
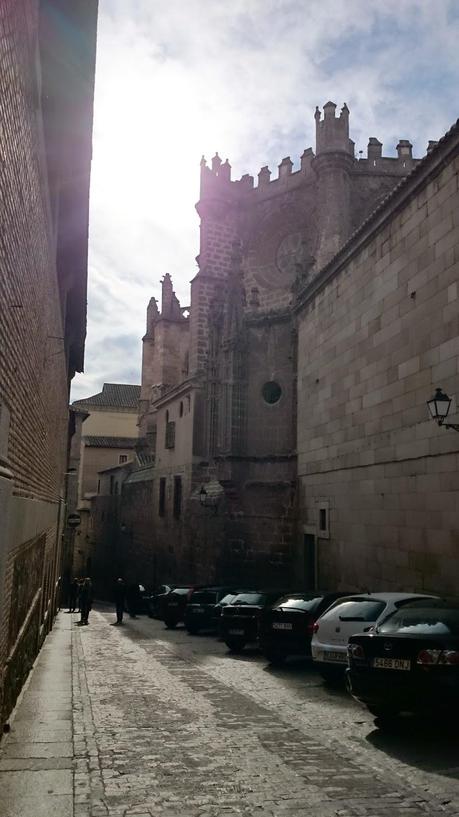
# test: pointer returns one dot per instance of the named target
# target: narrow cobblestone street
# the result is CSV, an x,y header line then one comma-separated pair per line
x,y
168,724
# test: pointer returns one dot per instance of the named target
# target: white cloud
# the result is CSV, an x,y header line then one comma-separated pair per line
x,y
180,78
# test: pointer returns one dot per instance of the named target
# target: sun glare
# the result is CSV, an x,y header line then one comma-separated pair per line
x,y
150,135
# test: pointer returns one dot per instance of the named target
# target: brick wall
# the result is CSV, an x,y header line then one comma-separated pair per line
x,y
35,345
373,344
33,375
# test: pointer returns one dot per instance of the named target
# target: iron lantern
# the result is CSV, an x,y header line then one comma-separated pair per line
x,y
439,406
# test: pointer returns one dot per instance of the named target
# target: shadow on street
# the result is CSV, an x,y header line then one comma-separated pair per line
x,y
429,745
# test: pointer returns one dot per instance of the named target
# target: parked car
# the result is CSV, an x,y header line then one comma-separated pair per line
x,y
346,617
239,621
155,600
410,662
174,605
286,627
200,610
217,612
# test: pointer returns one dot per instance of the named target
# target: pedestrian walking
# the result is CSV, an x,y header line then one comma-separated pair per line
x,y
73,595
85,600
120,598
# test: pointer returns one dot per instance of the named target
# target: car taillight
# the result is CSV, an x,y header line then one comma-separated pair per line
x,y
315,627
355,651
310,628
428,657
449,657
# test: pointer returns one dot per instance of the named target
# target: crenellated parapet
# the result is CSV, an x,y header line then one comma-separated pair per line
x,y
332,132
219,190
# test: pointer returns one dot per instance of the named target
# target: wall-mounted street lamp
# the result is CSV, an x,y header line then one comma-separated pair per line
x,y
439,406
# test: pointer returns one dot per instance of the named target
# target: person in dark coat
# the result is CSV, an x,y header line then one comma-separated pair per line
x,y
120,598
85,600
73,595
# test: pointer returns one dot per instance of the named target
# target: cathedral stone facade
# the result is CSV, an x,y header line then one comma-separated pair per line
x,y
286,404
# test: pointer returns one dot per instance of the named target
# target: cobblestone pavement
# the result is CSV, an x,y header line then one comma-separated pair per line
x,y
166,724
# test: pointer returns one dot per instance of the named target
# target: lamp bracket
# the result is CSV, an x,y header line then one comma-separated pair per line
x,y
454,426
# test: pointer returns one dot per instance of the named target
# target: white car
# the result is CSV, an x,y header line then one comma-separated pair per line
x,y
349,616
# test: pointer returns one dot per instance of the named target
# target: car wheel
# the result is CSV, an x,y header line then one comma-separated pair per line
x,y
275,658
235,646
170,624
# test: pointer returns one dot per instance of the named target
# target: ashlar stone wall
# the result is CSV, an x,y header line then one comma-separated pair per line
x,y
378,334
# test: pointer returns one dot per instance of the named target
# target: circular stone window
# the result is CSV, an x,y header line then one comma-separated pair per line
x,y
271,392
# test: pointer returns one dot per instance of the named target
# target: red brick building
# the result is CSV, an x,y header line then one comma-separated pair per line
x,y
47,64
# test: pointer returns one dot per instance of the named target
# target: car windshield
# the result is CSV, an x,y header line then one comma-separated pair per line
x,y
250,598
204,597
299,602
423,621
355,610
227,599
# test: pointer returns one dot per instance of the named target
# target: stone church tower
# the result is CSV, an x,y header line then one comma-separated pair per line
x,y
218,385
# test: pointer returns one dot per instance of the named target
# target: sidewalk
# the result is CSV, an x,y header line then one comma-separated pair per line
x,y
36,757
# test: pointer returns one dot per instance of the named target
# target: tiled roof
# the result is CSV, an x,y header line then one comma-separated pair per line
x,y
110,442
113,395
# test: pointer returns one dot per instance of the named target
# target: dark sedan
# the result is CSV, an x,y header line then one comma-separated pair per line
x,y
240,618
174,605
200,611
154,601
286,627
410,662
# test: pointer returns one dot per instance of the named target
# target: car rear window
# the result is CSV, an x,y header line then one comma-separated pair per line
x,y
250,598
204,597
180,591
299,602
423,621
355,610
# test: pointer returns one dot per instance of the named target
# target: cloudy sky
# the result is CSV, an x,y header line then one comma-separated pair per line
x,y
179,78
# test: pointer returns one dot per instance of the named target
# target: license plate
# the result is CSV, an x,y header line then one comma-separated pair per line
x,y
236,632
335,656
392,663
199,609
277,625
